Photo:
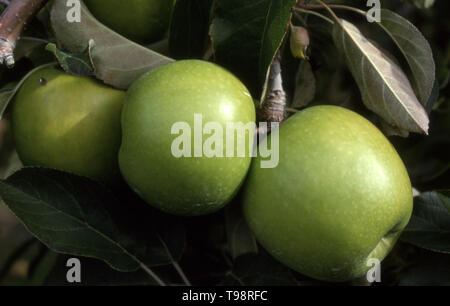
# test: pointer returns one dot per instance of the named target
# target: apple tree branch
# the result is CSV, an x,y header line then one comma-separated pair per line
x,y
12,22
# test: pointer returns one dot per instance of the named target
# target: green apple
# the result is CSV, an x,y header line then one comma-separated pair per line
x,y
176,94
139,20
68,123
339,196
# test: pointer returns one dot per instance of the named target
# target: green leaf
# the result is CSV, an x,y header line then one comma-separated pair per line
x,y
305,88
429,227
246,36
79,64
416,50
384,87
75,215
117,60
258,270
188,36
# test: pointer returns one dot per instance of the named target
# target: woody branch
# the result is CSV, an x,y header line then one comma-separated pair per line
x,y
274,106
12,23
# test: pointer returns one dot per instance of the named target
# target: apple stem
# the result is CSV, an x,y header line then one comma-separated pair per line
x,y
12,23
274,106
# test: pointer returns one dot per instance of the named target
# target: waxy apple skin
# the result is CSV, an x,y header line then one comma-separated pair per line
x,y
139,20
340,195
168,95
68,123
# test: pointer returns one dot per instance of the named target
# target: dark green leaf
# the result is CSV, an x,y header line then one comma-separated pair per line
x,y
117,60
429,227
189,28
384,87
64,212
77,216
246,36
79,64
305,89
416,50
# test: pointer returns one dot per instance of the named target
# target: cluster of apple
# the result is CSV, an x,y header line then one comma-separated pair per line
x,y
339,196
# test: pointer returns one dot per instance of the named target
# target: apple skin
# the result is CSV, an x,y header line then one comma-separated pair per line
x,y
339,196
172,93
68,123
139,20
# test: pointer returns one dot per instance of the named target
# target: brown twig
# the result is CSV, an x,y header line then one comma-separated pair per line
x,y
274,106
12,23
329,6
308,6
